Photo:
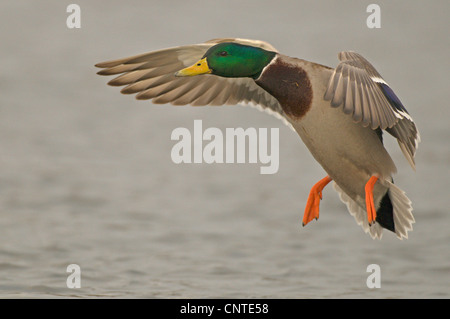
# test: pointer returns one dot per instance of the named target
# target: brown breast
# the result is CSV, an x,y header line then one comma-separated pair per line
x,y
290,85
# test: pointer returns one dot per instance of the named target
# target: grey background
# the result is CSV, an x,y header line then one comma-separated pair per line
x,y
86,175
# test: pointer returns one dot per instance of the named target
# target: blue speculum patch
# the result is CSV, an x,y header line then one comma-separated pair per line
x,y
392,98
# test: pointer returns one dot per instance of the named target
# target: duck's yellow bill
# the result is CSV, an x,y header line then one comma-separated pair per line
x,y
201,67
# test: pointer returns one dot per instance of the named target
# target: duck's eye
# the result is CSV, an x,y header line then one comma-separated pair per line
x,y
223,53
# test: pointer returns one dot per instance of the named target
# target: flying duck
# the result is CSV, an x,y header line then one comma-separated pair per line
x,y
339,114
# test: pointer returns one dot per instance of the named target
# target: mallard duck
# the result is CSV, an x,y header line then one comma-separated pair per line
x,y
340,114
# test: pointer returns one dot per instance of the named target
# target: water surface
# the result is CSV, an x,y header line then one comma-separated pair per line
x,y
87,176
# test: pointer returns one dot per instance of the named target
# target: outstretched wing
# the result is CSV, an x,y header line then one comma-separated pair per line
x,y
151,77
368,98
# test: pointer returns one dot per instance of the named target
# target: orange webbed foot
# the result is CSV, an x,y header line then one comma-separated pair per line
x,y
370,206
312,205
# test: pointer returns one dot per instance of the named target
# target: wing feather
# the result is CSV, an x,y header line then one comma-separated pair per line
x,y
359,88
151,77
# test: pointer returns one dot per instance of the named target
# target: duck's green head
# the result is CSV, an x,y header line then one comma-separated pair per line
x,y
230,60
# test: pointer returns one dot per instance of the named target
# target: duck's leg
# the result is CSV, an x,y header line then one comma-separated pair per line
x,y
312,205
370,206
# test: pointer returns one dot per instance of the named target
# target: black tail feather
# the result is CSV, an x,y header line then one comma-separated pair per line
x,y
385,214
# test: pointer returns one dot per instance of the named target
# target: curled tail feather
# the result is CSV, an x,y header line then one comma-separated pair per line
x,y
401,210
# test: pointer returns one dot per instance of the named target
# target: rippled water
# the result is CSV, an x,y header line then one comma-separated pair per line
x,y
87,177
